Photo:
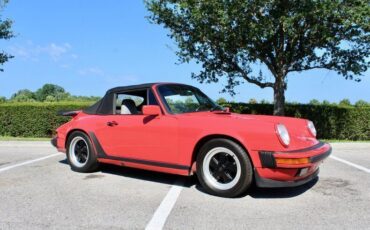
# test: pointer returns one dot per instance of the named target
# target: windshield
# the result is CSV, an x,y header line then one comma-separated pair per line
x,y
186,99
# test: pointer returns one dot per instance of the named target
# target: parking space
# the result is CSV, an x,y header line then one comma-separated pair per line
x,y
47,194
339,199
13,152
345,151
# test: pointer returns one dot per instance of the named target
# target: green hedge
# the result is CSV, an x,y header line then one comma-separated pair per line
x,y
332,122
34,119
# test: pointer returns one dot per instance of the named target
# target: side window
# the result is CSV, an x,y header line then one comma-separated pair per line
x,y
130,103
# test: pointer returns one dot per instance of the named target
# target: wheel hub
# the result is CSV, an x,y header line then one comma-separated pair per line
x,y
81,151
222,168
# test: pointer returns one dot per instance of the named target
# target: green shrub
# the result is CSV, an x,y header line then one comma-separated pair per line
x,y
332,121
34,119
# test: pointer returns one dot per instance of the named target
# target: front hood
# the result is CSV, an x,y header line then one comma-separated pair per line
x,y
299,134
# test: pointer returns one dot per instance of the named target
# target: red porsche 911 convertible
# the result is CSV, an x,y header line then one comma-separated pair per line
x,y
175,128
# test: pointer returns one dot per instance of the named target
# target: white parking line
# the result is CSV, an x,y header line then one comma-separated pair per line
x,y
160,216
350,164
28,162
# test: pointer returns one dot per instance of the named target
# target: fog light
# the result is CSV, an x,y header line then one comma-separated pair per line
x,y
292,161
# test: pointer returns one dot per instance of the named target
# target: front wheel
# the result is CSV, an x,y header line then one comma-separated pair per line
x,y
80,153
224,168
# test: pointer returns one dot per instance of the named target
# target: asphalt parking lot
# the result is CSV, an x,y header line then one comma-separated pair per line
x,y
39,191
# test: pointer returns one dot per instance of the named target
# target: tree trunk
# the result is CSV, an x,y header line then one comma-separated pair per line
x,y
279,96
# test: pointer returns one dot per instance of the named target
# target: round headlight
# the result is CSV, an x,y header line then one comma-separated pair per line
x,y
283,134
311,128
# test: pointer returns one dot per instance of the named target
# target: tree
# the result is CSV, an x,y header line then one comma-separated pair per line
x,y
314,102
345,102
50,98
326,102
235,38
221,101
362,103
5,33
48,93
264,101
252,101
2,99
23,95
51,90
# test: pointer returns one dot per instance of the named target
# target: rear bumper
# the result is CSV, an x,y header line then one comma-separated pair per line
x,y
54,142
290,168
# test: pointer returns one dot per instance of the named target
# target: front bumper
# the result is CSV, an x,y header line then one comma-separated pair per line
x,y
312,155
268,183
290,168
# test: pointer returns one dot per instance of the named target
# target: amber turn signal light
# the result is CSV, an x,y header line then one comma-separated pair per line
x,y
292,161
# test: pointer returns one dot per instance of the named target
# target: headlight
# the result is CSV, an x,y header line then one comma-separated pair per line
x,y
311,128
283,134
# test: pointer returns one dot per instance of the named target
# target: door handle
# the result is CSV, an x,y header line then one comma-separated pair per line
x,y
112,123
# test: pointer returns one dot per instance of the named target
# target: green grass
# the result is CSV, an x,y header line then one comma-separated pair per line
x,y
6,138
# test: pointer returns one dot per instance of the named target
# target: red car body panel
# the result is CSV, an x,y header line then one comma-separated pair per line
x,y
169,142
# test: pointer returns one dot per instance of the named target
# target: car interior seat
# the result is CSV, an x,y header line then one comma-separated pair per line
x,y
128,107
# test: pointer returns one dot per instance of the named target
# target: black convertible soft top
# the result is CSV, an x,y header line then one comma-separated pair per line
x,y
105,105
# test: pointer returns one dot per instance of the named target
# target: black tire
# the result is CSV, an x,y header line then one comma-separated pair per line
x,y
89,162
217,185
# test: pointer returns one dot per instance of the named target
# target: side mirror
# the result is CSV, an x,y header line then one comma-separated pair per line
x,y
151,110
227,109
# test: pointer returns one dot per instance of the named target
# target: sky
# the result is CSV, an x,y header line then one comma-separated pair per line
x,y
88,47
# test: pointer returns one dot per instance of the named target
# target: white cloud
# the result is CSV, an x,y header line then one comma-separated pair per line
x,y
122,79
19,51
64,66
30,51
115,79
55,51
91,71
129,79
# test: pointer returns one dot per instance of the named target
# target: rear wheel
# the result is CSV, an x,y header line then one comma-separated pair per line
x,y
224,168
80,153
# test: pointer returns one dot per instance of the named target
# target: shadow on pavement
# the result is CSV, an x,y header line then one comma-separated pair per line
x,y
152,176
64,161
164,178
277,193
269,193
140,174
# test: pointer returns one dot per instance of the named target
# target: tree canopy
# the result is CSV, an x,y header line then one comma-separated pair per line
x,y
47,93
23,95
55,91
5,33
262,42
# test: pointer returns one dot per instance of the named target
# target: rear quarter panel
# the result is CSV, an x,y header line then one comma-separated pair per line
x,y
82,122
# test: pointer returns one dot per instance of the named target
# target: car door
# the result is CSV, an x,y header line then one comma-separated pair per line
x,y
136,136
